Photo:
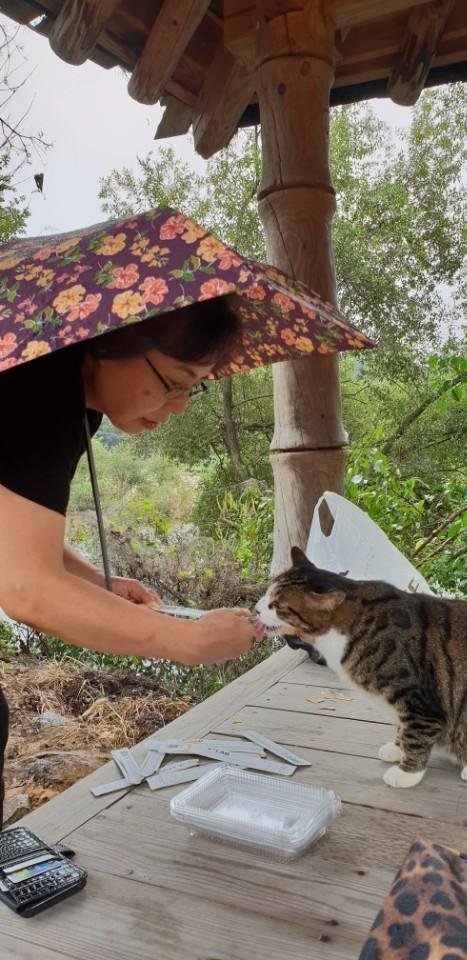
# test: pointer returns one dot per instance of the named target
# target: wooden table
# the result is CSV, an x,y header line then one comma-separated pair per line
x,y
155,893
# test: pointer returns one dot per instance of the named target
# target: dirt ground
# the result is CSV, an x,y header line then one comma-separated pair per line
x,y
66,718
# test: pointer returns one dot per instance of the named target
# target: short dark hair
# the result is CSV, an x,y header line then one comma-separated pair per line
x,y
206,329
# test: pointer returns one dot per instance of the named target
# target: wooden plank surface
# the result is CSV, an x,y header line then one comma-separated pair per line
x,y
326,732
308,674
362,706
202,885
155,891
55,819
19,948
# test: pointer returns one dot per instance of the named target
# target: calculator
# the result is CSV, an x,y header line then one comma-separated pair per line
x,y
34,875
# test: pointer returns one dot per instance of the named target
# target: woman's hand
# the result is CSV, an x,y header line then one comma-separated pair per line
x,y
134,591
217,636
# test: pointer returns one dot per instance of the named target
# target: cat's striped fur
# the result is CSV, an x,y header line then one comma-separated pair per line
x,y
410,649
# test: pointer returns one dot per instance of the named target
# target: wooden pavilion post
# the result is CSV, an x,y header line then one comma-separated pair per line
x,y
295,72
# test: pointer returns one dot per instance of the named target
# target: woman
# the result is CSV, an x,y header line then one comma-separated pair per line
x,y
138,377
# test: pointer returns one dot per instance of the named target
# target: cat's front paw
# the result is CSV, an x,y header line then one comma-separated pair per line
x,y
464,773
395,777
390,753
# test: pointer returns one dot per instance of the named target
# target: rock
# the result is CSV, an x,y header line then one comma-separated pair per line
x,y
15,806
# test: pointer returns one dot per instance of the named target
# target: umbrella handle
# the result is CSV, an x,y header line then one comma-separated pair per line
x,y
97,503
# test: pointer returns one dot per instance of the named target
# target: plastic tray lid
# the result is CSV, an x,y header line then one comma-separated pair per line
x,y
263,811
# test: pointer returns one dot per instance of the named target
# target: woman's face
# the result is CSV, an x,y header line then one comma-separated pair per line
x,y
130,392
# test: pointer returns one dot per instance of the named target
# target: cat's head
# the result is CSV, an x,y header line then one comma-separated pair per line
x,y
304,600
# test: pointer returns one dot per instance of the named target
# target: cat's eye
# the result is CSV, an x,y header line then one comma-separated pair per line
x,y
270,606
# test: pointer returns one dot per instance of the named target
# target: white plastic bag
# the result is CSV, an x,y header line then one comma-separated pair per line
x,y
358,548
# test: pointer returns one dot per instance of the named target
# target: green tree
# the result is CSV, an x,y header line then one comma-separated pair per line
x,y
13,213
398,234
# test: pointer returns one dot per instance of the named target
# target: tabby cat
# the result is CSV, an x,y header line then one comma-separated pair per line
x,y
410,649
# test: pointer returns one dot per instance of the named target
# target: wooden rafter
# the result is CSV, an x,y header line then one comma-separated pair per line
x,y
418,50
176,119
77,27
349,13
19,10
172,30
227,91
241,18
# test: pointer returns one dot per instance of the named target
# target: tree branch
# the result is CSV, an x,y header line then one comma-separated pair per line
x,y
411,417
441,526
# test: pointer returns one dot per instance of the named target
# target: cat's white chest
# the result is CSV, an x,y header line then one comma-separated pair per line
x,y
331,646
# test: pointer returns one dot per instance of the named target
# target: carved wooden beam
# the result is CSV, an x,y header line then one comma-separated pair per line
x,y
348,13
241,18
227,90
18,10
77,27
176,119
172,30
418,50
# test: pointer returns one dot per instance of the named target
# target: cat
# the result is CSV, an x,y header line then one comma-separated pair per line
x,y
410,649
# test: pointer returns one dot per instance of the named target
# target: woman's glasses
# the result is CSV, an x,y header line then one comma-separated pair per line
x,y
175,392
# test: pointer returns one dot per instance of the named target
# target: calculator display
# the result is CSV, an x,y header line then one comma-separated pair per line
x,y
26,873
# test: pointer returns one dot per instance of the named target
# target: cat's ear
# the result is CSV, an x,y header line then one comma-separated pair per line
x,y
299,558
324,601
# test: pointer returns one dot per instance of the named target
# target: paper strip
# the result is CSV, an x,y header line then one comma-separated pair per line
x,y
276,748
104,788
151,763
127,763
167,778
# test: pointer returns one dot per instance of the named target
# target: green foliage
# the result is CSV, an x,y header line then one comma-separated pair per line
x,y
13,213
224,199
398,234
134,483
410,511
6,638
246,522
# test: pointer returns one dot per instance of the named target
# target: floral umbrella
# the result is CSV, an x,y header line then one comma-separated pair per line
x,y
60,290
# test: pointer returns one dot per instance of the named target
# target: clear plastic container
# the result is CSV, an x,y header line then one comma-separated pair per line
x,y
270,815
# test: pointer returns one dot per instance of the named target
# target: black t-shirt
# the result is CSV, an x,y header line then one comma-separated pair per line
x,y
42,436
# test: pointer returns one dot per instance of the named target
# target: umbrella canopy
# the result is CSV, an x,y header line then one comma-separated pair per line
x,y
61,290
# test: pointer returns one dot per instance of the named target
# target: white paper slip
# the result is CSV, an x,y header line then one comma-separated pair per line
x,y
189,612
205,748
276,748
151,763
166,746
225,756
182,764
127,763
233,745
104,788
168,777
267,766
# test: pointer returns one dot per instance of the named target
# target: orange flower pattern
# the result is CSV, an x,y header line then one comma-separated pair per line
x,y
123,271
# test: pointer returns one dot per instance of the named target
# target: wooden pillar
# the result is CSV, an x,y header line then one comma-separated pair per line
x,y
295,57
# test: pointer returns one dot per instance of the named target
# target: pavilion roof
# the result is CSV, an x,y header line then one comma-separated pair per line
x,y
195,57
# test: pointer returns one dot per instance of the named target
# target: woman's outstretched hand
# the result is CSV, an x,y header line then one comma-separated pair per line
x,y
134,591
218,635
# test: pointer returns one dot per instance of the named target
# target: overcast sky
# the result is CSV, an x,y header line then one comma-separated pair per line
x,y
94,126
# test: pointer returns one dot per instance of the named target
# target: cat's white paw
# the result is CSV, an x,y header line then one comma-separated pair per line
x,y
464,773
395,777
390,753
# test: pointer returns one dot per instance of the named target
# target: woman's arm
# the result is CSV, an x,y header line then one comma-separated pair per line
x,y
36,588
76,564
124,587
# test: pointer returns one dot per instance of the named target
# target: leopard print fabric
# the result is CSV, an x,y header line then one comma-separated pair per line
x,y
424,915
